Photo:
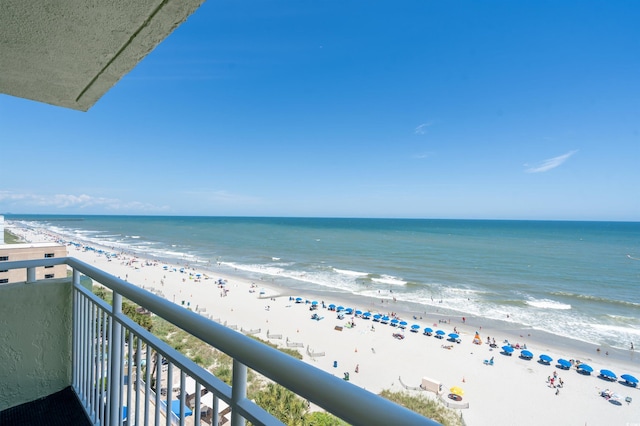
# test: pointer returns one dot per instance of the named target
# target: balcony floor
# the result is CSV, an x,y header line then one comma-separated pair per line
x,y
59,409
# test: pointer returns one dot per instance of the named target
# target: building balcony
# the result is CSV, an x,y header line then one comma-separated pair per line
x,y
68,357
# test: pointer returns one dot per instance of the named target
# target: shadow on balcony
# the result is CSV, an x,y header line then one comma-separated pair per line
x,y
61,408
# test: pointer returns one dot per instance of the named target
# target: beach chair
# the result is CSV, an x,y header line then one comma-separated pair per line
x,y
488,361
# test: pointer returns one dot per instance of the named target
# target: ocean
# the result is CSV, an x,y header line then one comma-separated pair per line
x,y
579,280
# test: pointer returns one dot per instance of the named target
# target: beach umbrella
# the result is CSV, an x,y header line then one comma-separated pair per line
x,y
526,354
453,336
545,358
332,307
340,308
314,303
298,299
385,318
440,333
395,321
629,378
403,324
586,368
609,374
564,363
456,390
348,311
366,315
377,317
415,327
428,330
508,349
358,312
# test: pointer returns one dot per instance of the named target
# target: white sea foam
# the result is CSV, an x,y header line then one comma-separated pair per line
x,y
547,304
350,273
275,259
388,279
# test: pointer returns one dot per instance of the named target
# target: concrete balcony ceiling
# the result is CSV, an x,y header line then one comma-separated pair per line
x,y
70,52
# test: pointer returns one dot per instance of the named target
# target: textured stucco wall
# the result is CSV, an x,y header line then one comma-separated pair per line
x,y
35,340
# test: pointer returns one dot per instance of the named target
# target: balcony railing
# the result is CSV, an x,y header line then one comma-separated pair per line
x,y
124,375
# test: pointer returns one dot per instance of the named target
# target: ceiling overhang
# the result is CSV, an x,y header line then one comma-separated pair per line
x,y
71,52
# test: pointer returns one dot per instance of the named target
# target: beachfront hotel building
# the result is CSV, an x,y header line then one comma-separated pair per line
x,y
66,356
29,251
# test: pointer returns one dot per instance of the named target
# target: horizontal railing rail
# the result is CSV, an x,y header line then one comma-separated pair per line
x,y
343,399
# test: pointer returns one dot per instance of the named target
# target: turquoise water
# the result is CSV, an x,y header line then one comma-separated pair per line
x,y
574,279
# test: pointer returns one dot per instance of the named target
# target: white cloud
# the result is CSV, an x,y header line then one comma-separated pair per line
x,y
71,201
550,163
420,130
422,155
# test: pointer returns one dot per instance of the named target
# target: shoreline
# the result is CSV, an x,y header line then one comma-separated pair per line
x,y
383,360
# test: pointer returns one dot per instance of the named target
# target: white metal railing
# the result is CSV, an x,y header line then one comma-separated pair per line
x,y
116,362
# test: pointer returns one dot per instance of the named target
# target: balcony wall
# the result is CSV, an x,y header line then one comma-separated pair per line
x,y
35,340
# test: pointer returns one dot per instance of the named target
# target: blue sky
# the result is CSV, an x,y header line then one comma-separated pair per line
x,y
428,109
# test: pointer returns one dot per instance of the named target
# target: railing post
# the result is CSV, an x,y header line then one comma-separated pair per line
x,y
74,340
116,361
31,275
238,391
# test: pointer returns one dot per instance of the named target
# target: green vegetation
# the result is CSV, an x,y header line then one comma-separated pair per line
x,y
282,403
424,406
10,238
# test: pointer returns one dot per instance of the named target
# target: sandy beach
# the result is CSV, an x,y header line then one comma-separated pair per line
x,y
512,391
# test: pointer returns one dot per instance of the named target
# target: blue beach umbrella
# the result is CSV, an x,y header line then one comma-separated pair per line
x,y
545,358
340,308
314,303
415,327
526,354
453,336
629,378
428,330
403,324
358,312
395,322
585,368
439,334
366,315
564,363
298,299
608,374
348,311
332,307
377,317
385,319
508,349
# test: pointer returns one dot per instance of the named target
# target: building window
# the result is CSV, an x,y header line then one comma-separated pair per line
x,y
48,275
4,280
48,267
2,258
49,255
4,270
